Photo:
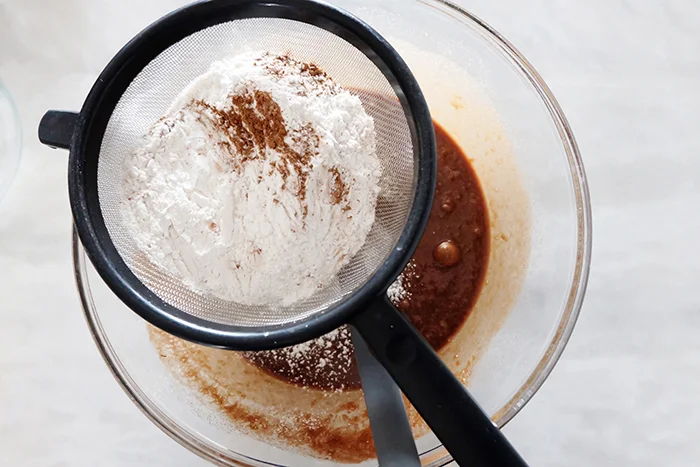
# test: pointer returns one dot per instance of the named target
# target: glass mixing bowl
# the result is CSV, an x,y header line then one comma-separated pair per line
x,y
487,96
10,140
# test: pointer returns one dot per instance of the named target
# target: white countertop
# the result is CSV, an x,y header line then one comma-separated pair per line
x,y
628,77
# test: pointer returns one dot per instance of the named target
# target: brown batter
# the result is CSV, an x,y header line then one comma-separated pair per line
x,y
441,284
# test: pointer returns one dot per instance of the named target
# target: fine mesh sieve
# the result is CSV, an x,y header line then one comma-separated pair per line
x,y
149,96
137,87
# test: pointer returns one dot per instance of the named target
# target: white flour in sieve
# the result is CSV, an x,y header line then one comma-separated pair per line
x,y
258,185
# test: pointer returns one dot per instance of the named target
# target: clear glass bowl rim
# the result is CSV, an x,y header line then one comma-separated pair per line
x,y
438,455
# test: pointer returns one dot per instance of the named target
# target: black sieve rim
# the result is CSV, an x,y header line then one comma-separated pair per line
x,y
89,130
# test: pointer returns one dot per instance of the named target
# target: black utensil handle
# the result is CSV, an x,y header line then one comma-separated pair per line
x,y
391,429
56,128
454,416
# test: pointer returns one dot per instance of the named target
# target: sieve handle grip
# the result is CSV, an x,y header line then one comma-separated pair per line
x,y
444,403
56,128
391,429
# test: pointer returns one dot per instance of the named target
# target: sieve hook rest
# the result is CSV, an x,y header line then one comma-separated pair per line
x,y
56,128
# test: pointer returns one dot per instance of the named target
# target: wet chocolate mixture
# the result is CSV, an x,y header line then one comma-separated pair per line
x,y
441,284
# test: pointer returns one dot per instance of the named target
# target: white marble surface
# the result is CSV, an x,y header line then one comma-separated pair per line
x,y
627,75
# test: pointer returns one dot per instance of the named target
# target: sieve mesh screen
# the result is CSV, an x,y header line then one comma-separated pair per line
x,y
152,92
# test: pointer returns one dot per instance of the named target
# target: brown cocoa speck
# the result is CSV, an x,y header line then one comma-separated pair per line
x,y
339,190
253,124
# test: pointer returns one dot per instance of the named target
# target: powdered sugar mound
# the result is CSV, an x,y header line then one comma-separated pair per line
x,y
258,185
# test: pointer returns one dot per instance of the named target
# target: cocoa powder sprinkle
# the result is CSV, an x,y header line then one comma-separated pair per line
x,y
339,190
254,124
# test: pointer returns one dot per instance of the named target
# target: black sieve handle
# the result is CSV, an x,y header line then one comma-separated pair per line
x,y
465,430
391,429
56,128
